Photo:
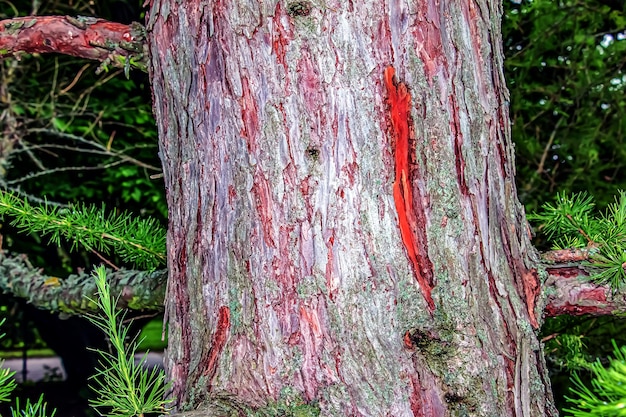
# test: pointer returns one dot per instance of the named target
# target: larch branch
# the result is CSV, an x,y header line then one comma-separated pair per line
x,y
135,290
568,290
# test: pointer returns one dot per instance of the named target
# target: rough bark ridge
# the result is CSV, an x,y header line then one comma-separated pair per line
x,y
288,273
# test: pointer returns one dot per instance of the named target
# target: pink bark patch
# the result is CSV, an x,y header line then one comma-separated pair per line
x,y
311,333
309,82
427,32
530,281
424,397
280,37
263,199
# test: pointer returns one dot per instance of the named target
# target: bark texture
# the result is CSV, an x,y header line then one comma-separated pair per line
x,y
294,275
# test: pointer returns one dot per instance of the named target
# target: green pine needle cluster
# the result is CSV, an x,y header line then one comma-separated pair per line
x,y
32,409
568,351
124,388
8,385
7,382
607,395
137,241
572,222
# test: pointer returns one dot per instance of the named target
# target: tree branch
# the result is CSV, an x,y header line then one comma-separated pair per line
x,y
135,290
113,44
568,290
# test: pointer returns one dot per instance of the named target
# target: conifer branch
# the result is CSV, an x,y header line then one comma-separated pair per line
x,y
114,44
138,241
572,223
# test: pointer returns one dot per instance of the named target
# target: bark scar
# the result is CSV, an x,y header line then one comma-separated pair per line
x,y
399,100
219,341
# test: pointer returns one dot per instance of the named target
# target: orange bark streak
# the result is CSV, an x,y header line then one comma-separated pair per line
x,y
399,101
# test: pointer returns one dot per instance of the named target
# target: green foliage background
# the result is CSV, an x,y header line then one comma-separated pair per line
x,y
73,136
564,69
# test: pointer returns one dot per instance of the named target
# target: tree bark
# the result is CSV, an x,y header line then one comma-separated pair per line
x,y
311,260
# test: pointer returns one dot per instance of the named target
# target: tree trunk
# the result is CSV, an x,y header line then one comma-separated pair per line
x,y
336,240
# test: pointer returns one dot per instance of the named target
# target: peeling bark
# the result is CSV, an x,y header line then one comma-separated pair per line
x,y
278,154
568,292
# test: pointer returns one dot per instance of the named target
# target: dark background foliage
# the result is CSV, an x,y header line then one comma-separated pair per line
x,y
565,72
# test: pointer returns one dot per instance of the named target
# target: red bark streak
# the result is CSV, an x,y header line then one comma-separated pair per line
x,y
44,34
455,129
219,341
415,397
331,282
408,343
280,37
427,32
400,108
179,296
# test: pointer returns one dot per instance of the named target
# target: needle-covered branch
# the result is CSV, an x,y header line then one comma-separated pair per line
x,y
114,44
135,290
